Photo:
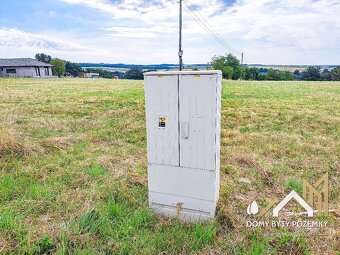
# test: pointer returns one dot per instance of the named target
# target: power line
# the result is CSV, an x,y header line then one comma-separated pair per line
x,y
212,28
196,18
201,23
205,25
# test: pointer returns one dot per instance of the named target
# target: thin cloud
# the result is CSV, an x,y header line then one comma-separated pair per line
x,y
131,9
158,31
12,37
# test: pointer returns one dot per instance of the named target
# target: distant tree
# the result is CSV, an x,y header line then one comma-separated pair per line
x,y
134,74
278,75
251,73
335,74
262,77
58,67
272,75
73,69
286,76
326,75
297,72
118,74
43,57
312,73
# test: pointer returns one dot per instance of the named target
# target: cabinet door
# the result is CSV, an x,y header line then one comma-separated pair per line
x,y
197,116
161,95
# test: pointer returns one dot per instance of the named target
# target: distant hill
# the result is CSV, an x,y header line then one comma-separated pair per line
x,y
125,67
144,67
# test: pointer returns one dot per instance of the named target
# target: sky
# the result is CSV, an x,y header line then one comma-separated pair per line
x,y
146,32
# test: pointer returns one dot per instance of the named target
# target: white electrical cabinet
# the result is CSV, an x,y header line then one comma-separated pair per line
x,y
183,115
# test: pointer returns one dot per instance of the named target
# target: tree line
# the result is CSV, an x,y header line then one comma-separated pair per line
x,y
232,69
229,65
66,68
60,67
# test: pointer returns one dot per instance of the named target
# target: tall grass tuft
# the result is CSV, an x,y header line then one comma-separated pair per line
x,y
11,142
90,222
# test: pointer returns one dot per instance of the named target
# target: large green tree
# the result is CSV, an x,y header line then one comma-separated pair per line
x,y
335,74
218,63
58,67
43,57
229,65
234,63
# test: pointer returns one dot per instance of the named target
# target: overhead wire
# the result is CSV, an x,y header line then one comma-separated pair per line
x,y
192,10
212,28
201,23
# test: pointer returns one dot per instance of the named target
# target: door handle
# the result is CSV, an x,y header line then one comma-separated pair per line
x,y
185,129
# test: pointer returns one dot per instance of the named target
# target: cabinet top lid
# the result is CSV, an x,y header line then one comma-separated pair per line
x,y
206,72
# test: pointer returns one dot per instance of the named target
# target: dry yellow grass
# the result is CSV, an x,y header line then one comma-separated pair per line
x,y
11,141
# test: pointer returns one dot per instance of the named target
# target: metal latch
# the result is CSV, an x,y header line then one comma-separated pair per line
x,y
185,129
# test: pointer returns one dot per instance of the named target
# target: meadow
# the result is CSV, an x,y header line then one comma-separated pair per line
x,y
73,176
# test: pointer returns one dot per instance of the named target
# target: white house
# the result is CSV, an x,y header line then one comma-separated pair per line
x,y
24,67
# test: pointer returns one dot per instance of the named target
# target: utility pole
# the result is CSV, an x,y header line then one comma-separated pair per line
x,y
241,65
180,52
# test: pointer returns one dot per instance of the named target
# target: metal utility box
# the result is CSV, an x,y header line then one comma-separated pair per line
x,y
183,115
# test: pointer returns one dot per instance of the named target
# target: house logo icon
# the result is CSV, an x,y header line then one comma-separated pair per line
x,y
287,199
314,200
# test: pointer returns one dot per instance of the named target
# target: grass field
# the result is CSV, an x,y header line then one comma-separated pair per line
x,y
73,168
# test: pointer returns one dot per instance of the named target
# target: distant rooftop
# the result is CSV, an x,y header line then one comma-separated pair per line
x,y
17,62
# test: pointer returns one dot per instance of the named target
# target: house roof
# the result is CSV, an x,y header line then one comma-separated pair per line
x,y
21,62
